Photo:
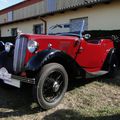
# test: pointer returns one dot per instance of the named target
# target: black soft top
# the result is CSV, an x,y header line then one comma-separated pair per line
x,y
103,33
94,34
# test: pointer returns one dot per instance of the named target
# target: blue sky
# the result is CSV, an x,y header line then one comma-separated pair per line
x,y
7,3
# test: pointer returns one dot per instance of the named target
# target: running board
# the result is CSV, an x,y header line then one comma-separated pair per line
x,y
95,74
24,79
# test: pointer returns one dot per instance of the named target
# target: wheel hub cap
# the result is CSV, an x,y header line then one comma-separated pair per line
x,y
56,86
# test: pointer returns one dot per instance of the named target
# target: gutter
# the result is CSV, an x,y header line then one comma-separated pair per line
x,y
45,24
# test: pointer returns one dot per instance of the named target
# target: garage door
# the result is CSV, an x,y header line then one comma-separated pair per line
x,y
76,24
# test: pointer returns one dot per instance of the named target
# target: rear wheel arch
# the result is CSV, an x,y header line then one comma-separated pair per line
x,y
111,63
111,59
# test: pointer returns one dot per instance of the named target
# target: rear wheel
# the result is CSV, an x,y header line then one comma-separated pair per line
x,y
51,86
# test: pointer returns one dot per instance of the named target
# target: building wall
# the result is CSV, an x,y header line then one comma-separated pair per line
x,y
25,27
101,16
3,18
31,10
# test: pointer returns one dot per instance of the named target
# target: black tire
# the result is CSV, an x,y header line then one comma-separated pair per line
x,y
52,80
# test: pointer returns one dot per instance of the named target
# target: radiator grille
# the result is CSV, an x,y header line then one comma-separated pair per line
x,y
19,53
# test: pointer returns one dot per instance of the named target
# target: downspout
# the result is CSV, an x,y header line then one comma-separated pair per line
x,y
0,31
45,24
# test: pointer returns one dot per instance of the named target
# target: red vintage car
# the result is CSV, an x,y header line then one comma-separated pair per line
x,y
49,61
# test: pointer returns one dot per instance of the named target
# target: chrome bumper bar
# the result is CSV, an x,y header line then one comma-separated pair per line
x,y
13,79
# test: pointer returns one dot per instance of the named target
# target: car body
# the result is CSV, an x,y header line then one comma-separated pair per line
x,y
49,61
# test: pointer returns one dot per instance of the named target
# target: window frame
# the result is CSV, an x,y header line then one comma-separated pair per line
x,y
82,18
36,25
13,31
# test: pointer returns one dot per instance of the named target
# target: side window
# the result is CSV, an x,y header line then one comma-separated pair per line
x,y
38,29
14,31
76,24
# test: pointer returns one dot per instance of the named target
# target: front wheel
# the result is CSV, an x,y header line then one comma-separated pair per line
x,y
51,86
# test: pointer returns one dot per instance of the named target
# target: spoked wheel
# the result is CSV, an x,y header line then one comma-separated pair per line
x,y
52,85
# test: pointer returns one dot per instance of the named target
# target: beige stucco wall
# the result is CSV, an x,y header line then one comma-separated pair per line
x,y
102,16
25,27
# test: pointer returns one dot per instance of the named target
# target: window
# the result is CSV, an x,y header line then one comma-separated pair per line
x,y
77,24
51,5
14,31
38,29
10,16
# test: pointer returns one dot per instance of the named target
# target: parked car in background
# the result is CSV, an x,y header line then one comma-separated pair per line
x,y
49,61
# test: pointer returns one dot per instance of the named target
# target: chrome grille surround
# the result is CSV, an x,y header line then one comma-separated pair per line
x,y
19,53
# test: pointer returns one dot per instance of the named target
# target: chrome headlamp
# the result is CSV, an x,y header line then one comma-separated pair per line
x,y
32,46
8,46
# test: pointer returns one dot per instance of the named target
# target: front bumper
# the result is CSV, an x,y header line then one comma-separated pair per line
x,y
13,79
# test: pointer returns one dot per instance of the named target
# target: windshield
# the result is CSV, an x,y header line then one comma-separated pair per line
x,y
75,34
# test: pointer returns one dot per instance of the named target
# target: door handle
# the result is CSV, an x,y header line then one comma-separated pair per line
x,y
81,49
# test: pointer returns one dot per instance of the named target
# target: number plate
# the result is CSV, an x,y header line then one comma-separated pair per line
x,y
4,75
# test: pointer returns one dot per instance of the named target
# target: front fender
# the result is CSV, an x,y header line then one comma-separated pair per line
x,y
3,58
52,55
6,60
39,59
2,47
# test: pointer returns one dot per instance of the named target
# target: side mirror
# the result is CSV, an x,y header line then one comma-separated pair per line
x,y
87,36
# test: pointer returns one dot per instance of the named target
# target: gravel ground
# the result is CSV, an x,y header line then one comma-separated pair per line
x,y
91,99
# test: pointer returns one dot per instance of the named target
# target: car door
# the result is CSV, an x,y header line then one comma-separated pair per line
x,y
91,56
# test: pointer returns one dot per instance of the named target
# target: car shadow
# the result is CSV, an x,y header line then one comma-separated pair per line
x,y
17,102
74,115
110,79
76,83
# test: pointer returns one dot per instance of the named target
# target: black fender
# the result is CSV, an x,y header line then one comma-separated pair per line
x,y
52,55
6,60
2,46
3,58
111,60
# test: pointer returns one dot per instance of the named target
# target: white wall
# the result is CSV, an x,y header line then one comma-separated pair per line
x,y
25,27
101,16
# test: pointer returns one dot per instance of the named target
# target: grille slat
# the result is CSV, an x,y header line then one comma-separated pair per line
x,y
19,53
